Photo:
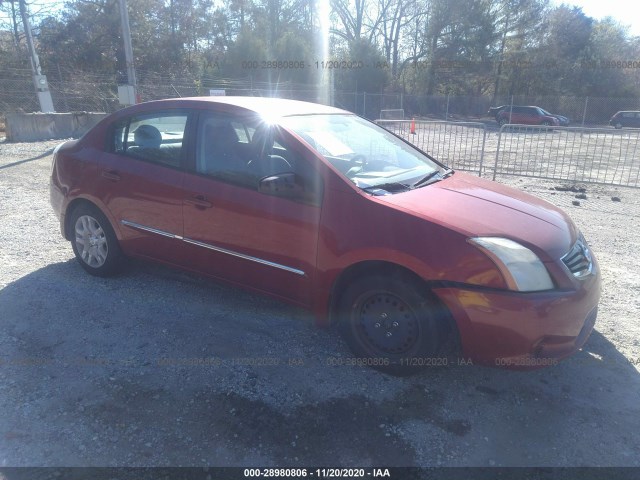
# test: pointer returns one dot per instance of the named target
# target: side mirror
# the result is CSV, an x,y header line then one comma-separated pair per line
x,y
281,185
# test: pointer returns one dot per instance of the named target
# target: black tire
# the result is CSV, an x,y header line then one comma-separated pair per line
x,y
102,256
546,123
503,121
375,308
618,126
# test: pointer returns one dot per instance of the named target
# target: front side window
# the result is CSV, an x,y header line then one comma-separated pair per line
x,y
224,149
365,153
156,138
243,150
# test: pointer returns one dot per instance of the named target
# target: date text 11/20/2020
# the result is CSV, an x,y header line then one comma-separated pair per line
x,y
317,472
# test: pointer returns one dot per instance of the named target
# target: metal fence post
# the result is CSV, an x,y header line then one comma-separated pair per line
x,y
584,112
364,104
446,115
484,138
355,100
495,165
510,112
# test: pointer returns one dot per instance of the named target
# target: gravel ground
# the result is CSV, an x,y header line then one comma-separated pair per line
x,y
158,368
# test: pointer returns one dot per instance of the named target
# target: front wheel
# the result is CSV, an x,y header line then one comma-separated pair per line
x,y
391,325
94,243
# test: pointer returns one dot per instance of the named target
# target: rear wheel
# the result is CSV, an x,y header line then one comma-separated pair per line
x,y
391,325
546,123
94,243
503,121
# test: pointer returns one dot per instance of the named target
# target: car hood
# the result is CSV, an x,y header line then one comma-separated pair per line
x,y
477,207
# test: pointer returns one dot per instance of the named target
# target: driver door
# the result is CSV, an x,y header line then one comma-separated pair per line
x,y
233,231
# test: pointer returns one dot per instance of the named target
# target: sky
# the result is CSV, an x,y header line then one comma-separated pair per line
x,y
624,11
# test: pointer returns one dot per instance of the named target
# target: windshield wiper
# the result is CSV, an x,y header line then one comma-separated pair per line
x,y
432,177
390,187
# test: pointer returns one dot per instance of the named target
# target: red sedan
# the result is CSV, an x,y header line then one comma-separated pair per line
x,y
528,116
414,262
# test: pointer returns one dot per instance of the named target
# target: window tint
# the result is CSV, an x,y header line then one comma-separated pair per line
x,y
243,133
156,138
244,150
224,148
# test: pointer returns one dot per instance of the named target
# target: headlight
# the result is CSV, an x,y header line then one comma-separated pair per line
x,y
520,267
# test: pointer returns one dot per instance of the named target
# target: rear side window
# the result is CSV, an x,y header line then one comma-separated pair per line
x,y
157,137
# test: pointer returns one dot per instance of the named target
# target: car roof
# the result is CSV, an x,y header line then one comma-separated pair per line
x,y
264,106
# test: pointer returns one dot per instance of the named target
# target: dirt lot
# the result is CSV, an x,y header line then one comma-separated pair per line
x,y
158,368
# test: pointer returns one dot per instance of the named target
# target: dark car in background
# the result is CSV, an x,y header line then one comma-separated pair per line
x,y
626,118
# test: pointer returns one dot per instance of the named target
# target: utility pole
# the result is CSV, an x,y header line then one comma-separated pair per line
x,y
127,93
39,80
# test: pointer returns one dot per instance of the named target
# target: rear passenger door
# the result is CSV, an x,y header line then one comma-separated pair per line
x,y
140,181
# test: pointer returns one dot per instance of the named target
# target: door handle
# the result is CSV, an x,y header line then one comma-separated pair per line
x,y
111,175
199,201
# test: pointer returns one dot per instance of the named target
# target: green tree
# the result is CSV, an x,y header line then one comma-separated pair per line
x,y
373,77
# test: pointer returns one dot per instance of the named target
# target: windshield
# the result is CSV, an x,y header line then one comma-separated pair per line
x,y
365,153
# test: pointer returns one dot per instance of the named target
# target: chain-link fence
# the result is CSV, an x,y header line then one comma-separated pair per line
x,y
581,111
87,92
581,155
100,93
